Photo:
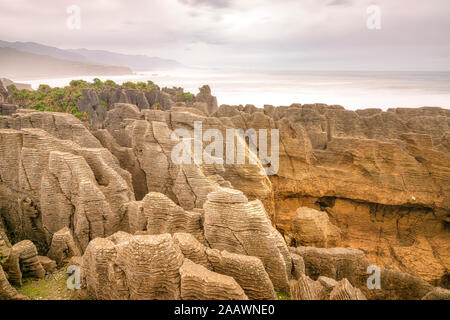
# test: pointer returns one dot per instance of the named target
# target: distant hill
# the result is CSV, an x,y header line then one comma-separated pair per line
x,y
135,62
15,64
37,48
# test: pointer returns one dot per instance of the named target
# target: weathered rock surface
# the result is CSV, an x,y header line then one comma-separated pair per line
x,y
298,265
48,183
248,272
132,267
22,261
7,292
48,264
238,226
396,285
382,178
313,228
192,249
372,171
335,263
162,215
63,247
304,288
198,283
343,290
30,265
437,294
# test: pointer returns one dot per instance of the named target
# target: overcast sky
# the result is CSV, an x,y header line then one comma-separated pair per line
x,y
294,34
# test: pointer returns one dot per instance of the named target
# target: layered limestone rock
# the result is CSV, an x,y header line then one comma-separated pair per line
x,y
132,267
437,294
124,266
48,264
343,290
198,283
397,285
249,272
192,249
304,288
49,183
381,177
313,228
335,263
7,292
298,265
162,215
144,143
22,261
374,172
63,247
234,224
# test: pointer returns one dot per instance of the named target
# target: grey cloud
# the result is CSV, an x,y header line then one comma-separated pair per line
x,y
340,3
208,3
289,33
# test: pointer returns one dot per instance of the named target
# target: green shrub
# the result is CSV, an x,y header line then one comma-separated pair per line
x,y
44,88
58,94
110,83
129,84
98,82
79,83
283,295
187,96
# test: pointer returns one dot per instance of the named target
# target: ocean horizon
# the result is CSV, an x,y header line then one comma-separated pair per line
x,y
350,89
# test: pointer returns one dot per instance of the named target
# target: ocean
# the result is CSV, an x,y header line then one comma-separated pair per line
x,y
351,89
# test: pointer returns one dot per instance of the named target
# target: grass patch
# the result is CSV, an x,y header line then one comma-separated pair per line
x,y
283,295
52,288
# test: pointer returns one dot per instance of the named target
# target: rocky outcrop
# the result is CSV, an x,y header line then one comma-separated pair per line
x,y
123,266
335,263
63,247
397,285
437,294
198,283
192,249
248,272
304,288
343,290
313,228
374,182
205,97
298,265
22,261
132,267
7,292
162,215
234,224
48,264
50,183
